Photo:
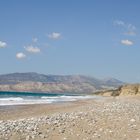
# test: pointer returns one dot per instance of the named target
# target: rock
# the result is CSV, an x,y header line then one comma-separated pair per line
x,y
39,133
62,131
132,120
28,137
42,136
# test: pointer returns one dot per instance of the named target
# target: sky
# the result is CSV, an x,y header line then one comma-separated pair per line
x,y
99,38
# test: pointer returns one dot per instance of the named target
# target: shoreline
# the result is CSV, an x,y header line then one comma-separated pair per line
x,y
13,99
11,112
108,118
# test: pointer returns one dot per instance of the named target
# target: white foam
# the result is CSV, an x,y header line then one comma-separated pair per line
x,y
12,99
59,98
49,97
42,100
23,102
66,98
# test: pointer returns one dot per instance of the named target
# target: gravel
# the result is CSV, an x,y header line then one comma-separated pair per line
x,y
117,119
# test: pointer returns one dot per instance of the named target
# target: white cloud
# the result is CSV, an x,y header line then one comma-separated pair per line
x,y
127,42
129,28
3,44
32,49
35,40
20,55
54,35
119,23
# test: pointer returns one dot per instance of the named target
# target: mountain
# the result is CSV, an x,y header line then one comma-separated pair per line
x,y
34,82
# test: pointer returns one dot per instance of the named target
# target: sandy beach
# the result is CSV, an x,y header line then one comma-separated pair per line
x,y
101,119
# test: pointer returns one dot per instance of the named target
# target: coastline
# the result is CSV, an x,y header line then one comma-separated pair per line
x,y
33,110
108,118
23,98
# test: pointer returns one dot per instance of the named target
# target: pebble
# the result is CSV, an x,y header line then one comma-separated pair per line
x,y
27,137
132,120
61,122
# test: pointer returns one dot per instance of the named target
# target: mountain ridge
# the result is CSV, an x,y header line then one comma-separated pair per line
x,y
32,81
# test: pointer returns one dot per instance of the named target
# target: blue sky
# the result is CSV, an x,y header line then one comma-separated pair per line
x,y
99,38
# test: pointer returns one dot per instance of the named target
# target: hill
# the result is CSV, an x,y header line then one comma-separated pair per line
x,y
124,90
34,82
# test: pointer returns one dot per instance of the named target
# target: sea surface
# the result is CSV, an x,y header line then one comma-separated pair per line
x,y
23,98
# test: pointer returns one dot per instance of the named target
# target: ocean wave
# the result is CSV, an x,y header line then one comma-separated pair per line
x,y
66,98
23,102
50,97
12,99
42,100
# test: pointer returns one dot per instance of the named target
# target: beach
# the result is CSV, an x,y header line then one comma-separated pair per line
x,y
108,118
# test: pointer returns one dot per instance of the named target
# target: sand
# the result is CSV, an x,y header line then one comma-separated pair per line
x,y
103,119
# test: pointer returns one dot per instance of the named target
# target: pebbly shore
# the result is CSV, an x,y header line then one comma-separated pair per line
x,y
111,119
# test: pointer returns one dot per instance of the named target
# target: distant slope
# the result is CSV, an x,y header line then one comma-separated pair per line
x,y
34,82
124,90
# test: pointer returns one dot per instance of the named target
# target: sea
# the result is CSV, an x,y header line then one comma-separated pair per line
x,y
25,98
